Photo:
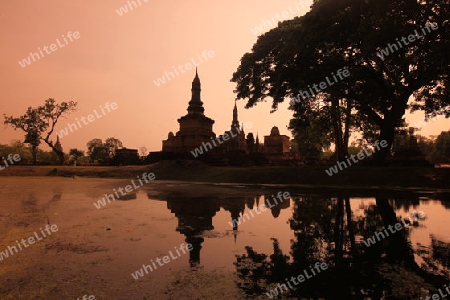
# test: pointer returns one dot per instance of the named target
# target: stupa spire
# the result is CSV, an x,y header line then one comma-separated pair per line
x,y
196,104
235,122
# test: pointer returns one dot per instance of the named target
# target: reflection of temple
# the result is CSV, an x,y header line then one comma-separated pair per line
x,y
195,216
231,147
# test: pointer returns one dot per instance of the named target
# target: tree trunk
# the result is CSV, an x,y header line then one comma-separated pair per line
x,y
389,124
387,133
341,149
34,150
60,156
348,119
58,152
351,231
338,233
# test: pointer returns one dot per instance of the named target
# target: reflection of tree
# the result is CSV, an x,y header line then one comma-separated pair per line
x,y
437,258
253,271
326,231
311,223
446,201
406,204
441,251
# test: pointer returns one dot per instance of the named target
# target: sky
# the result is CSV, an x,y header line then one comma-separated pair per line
x,y
113,58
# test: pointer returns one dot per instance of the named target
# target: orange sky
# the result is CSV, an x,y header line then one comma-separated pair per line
x,y
118,58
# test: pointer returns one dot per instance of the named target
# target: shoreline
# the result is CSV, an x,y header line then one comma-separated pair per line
x,y
191,171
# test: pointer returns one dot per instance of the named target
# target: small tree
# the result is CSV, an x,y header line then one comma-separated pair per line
x,y
443,146
39,124
18,147
97,150
112,144
143,151
74,154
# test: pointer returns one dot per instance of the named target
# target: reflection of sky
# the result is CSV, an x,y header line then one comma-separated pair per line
x,y
144,229
255,232
437,222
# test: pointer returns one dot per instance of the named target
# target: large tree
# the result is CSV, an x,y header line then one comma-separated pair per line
x,y
39,124
350,34
443,146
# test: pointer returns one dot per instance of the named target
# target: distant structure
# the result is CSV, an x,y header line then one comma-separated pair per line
x,y
195,127
276,143
58,144
236,144
407,151
196,132
126,156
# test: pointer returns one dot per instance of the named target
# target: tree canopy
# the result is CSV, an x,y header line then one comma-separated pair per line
x,y
367,38
39,124
97,150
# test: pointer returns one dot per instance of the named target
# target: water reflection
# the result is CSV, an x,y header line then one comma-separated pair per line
x,y
329,230
326,230
195,216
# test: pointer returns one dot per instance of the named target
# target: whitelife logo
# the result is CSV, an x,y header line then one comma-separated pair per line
x,y
90,118
441,294
124,9
372,241
226,137
241,218
15,157
334,170
128,189
71,36
319,267
170,75
86,297
391,48
197,151
342,74
434,116
166,259
31,240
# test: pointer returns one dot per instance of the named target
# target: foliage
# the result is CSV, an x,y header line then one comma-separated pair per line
x,y
311,133
39,124
435,149
443,147
111,145
349,34
26,156
17,147
75,154
99,151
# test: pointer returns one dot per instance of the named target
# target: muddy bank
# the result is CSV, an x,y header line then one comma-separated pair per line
x,y
356,176
94,251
